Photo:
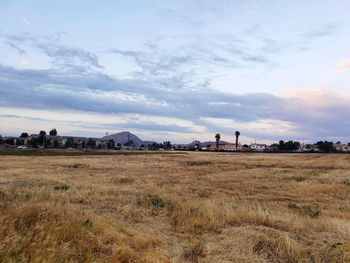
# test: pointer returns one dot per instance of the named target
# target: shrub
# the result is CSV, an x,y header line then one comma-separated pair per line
x,y
194,251
157,202
126,180
293,206
314,211
63,187
151,201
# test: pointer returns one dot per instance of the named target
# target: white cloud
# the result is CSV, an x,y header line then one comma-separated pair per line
x,y
343,66
260,127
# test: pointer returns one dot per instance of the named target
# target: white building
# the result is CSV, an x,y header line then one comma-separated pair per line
x,y
258,147
341,147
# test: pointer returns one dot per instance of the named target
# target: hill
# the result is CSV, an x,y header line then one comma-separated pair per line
x,y
123,137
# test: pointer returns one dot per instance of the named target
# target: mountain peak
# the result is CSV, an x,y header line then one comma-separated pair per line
x,y
124,137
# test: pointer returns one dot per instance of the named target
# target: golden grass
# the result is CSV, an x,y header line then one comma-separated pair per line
x,y
190,207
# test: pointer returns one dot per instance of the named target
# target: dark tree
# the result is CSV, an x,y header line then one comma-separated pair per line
x,y
289,146
110,144
9,141
281,146
91,143
33,142
217,139
24,135
42,138
237,134
53,132
55,143
129,143
154,146
325,146
69,142
167,145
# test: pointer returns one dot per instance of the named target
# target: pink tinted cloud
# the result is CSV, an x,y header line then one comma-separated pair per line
x,y
343,66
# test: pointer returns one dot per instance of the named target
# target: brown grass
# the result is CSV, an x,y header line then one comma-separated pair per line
x,y
197,207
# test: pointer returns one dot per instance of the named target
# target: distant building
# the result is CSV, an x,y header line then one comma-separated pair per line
x,y
309,148
341,148
258,147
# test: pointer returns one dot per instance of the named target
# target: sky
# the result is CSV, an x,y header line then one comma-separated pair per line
x,y
177,70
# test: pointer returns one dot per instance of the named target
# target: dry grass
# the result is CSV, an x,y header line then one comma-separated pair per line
x,y
196,207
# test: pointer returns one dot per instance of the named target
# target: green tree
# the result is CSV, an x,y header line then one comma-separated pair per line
x,y
292,146
24,135
53,132
167,145
281,145
288,146
325,146
217,139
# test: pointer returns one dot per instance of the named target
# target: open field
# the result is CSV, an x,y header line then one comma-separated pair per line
x,y
186,207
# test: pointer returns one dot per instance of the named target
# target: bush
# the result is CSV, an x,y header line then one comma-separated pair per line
x,y
313,211
154,201
63,187
157,202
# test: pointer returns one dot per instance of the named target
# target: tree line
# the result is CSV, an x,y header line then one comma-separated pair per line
x,y
41,140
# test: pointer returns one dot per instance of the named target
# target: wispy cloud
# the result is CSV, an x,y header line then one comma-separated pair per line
x,y
15,47
61,56
320,31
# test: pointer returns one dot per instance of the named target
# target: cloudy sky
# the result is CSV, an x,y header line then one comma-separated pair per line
x,y
177,70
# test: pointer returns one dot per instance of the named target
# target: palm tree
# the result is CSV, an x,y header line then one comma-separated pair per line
x,y
217,138
237,134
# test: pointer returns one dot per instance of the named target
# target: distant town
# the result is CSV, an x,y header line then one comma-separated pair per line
x,y
127,141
